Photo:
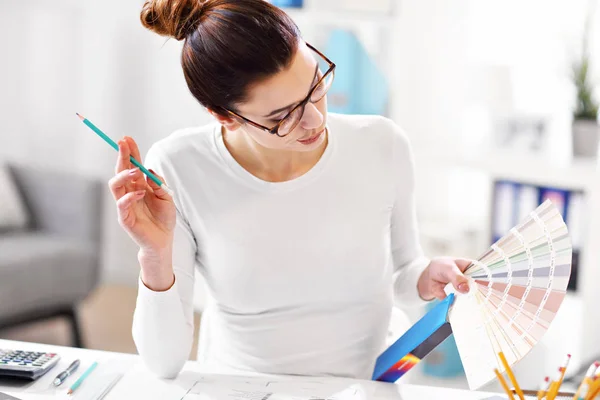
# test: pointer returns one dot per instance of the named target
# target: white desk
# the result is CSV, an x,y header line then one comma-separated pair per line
x,y
138,383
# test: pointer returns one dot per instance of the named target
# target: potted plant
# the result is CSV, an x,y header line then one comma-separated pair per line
x,y
586,130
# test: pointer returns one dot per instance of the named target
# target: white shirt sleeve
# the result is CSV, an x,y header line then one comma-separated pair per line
x,y
408,257
163,322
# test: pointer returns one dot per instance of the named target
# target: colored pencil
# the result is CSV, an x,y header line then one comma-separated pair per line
x,y
555,384
504,385
594,385
83,376
543,388
511,376
584,387
116,147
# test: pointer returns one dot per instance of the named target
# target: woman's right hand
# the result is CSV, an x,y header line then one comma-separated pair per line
x,y
146,211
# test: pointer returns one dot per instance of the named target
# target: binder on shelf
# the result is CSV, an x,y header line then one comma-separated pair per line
x,y
287,3
527,200
559,197
360,87
503,208
575,221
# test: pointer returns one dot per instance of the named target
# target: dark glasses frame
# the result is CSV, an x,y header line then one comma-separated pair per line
x,y
275,130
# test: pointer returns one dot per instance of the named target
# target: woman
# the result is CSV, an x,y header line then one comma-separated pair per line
x,y
302,223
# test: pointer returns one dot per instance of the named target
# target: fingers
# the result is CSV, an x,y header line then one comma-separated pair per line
x,y
133,148
126,216
158,190
127,148
123,162
119,184
436,289
455,276
463,263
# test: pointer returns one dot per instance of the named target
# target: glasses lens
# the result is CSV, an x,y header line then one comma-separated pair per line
x,y
321,90
290,122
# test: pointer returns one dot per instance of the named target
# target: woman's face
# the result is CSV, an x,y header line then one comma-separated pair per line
x,y
272,99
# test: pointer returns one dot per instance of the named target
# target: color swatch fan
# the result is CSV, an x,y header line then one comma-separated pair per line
x,y
517,287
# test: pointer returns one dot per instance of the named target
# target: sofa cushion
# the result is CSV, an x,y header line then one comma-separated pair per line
x,y
13,212
40,271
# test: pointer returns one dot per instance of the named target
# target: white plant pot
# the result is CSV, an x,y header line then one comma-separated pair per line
x,y
586,138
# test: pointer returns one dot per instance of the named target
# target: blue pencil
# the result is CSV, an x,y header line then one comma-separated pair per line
x,y
82,377
116,147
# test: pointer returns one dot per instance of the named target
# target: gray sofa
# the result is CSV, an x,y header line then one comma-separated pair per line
x,y
47,269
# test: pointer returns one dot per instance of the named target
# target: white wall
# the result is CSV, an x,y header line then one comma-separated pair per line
x,y
439,46
94,58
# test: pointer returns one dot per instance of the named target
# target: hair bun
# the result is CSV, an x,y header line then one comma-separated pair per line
x,y
174,18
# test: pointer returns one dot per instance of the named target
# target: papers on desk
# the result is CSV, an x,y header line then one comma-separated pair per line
x,y
209,387
205,386
192,385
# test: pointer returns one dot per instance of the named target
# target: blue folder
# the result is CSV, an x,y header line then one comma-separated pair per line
x,y
431,330
359,86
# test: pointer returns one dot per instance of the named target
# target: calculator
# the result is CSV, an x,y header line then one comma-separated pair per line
x,y
26,364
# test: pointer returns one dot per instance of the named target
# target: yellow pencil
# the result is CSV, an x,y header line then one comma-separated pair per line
x,y
595,385
555,385
594,390
584,387
511,376
504,385
543,387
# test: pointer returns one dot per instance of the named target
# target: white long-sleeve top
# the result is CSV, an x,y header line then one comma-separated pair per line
x,y
301,275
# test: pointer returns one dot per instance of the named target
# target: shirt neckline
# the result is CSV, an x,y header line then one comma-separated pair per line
x,y
260,184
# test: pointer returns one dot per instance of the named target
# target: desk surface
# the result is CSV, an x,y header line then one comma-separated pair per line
x,y
140,383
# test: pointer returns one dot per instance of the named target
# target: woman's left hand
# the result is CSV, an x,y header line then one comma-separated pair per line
x,y
439,273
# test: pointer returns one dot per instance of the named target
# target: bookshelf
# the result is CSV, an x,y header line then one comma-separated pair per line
x,y
577,325
578,174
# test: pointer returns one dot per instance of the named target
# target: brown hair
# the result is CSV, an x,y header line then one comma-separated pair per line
x,y
229,44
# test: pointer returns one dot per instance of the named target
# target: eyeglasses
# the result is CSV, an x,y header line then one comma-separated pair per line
x,y
289,122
